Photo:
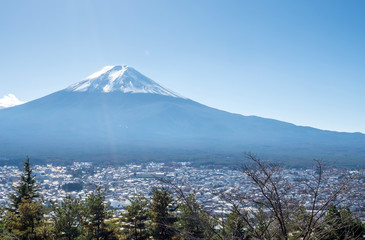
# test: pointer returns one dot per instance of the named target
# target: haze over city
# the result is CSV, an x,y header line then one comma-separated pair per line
x,y
183,120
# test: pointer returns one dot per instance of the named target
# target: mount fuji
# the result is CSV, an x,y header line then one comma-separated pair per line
x,y
117,114
120,79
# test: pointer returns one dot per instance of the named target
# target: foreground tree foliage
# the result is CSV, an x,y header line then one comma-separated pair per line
x,y
162,210
135,219
171,213
96,214
235,226
68,218
28,222
25,216
27,188
191,222
339,224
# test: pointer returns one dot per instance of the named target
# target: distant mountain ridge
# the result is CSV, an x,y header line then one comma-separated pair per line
x,y
117,114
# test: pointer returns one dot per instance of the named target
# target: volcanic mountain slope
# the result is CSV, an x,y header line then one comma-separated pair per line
x,y
117,113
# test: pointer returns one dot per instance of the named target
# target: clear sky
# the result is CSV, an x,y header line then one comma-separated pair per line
x,y
298,61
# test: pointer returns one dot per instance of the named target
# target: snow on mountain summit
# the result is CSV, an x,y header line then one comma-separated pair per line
x,y
120,78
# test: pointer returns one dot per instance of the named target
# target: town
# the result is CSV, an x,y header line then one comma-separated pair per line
x,y
208,184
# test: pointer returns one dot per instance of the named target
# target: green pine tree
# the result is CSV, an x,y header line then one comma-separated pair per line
x,y
162,210
97,213
25,217
27,188
135,219
25,223
67,218
339,224
191,219
235,226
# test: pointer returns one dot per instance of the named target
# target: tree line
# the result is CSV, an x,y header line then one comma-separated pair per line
x,y
170,213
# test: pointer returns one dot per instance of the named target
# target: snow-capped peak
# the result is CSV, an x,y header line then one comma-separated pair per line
x,y
120,78
9,100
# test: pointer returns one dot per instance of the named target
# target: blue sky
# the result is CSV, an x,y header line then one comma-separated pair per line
x,y
298,61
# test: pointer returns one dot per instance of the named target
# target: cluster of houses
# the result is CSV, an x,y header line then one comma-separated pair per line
x,y
211,186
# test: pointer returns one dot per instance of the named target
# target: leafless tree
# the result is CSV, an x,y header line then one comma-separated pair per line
x,y
277,209
286,214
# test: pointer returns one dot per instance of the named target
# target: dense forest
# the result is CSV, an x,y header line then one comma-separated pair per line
x,y
170,213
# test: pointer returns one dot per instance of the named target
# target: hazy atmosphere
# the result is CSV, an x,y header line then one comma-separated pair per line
x,y
182,120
